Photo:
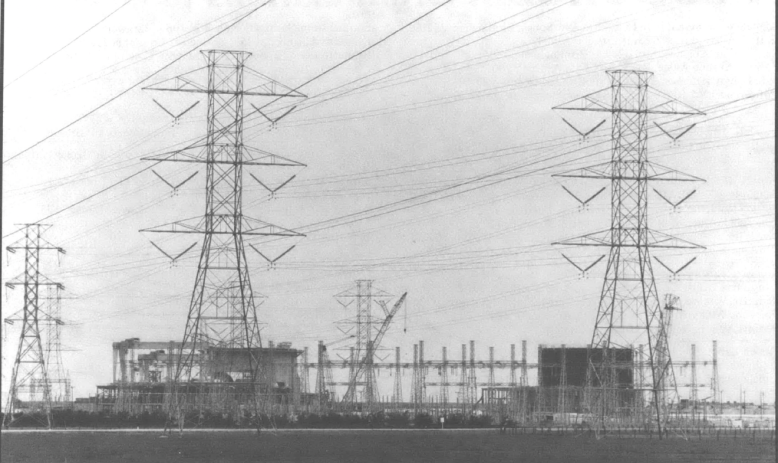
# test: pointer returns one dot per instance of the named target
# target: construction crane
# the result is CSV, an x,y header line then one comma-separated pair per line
x,y
372,346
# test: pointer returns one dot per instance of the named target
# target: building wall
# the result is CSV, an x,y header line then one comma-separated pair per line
x,y
577,363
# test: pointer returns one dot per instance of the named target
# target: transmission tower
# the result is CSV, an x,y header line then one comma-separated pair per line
x,y
30,374
58,378
51,334
222,310
629,311
362,380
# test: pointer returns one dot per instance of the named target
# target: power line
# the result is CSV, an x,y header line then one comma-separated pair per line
x,y
225,29
67,44
361,52
449,51
115,67
177,59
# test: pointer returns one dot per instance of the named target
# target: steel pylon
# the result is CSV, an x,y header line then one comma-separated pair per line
x,y
30,372
362,385
223,307
629,310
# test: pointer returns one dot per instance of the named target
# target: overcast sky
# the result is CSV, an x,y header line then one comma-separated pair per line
x,y
476,264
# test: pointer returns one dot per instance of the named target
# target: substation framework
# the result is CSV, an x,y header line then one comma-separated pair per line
x,y
471,385
457,389
222,314
629,311
32,382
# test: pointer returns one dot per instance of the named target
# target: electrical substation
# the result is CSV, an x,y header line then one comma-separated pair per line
x,y
223,359
222,366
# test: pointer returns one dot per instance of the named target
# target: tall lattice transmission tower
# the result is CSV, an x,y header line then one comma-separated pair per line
x,y
629,311
222,310
30,387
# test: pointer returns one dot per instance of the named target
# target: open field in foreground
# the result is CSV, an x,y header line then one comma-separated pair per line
x,y
369,446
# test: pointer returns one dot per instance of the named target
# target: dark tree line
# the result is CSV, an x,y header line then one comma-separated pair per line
x,y
148,420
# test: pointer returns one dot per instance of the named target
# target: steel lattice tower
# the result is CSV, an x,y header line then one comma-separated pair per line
x,y
629,311
362,379
222,310
58,377
30,373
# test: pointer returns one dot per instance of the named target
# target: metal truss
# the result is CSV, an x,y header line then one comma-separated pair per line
x,y
629,311
30,371
223,306
367,337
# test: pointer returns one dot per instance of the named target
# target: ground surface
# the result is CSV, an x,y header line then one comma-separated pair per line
x,y
370,446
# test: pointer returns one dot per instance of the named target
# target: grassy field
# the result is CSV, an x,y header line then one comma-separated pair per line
x,y
369,446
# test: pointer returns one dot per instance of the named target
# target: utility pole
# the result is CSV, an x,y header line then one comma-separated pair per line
x,y
222,312
415,393
472,381
30,373
463,392
422,375
629,310
694,384
397,393
304,387
714,382
321,383
444,379
524,379
562,406
513,397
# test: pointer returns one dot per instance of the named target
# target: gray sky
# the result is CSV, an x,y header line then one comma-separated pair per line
x,y
477,265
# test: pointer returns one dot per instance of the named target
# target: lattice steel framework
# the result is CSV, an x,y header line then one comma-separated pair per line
x,y
629,310
30,373
362,379
61,391
222,310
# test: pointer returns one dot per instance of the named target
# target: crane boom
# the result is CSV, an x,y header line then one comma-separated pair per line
x,y
373,345
378,337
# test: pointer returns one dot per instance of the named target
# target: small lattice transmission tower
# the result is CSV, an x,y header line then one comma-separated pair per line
x,y
30,378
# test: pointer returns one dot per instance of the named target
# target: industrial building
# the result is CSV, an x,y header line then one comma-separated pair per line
x,y
143,369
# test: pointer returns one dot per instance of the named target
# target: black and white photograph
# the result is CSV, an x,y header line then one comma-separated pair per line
x,y
388,231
